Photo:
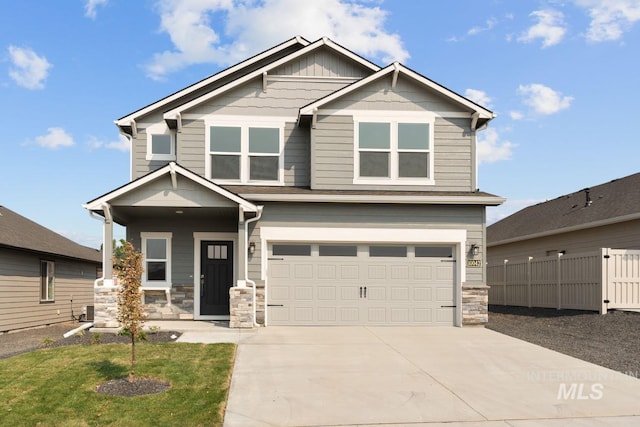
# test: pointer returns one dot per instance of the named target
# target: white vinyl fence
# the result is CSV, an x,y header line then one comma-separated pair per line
x,y
598,281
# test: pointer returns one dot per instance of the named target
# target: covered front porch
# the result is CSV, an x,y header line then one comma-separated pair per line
x,y
193,237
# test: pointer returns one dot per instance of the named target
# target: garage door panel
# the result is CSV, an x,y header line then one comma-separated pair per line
x,y
349,272
304,314
444,316
349,314
279,271
279,314
376,272
350,293
278,292
326,293
304,293
400,293
399,272
444,294
327,271
444,272
327,314
303,271
376,293
400,315
423,315
422,294
376,314
422,272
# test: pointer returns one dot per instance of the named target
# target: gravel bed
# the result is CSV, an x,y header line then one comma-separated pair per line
x,y
139,387
22,341
611,340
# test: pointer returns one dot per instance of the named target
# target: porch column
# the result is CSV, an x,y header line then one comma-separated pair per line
x,y
242,249
107,246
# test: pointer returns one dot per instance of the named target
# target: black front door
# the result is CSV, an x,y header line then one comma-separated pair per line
x,y
216,277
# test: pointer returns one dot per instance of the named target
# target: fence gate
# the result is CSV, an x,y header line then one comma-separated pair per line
x,y
621,278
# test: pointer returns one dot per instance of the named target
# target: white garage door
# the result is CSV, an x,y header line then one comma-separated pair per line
x,y
324,284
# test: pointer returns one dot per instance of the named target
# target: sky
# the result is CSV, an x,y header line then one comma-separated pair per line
x,y
561,75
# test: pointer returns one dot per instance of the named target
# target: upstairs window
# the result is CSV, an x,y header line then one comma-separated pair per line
x,y
47,281
242,154
393,151
160,143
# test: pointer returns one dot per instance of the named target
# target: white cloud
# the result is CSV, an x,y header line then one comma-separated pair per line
x,y
122,144
488,25
479,97
495,214
491,148
56,138
29,70
543,99
91,6
550,28
609,18
516,115
251,27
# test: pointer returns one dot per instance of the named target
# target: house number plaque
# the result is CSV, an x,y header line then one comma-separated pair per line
x,y
474,263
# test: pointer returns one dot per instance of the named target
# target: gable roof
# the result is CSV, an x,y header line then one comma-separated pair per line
x,y
171,169
612,202
18,232
483,113
323,42
235,69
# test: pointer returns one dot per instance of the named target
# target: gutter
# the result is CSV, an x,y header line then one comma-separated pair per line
x,y
362,198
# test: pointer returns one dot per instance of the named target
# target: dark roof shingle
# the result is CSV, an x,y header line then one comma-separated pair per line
x,y
614,199
19,232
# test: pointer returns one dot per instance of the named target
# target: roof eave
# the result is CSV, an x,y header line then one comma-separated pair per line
x,y
365,198
592,224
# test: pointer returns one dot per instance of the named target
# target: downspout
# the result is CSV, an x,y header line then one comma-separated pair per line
x,y
246,264
107,249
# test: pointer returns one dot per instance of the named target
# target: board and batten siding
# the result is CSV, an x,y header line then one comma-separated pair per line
x,y
624,235
322,63
20,305
469,218
332,156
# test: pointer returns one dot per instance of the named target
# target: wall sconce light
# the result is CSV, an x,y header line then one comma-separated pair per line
x,y
475,249
252,248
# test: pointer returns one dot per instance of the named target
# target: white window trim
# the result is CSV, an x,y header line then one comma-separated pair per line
x,y
52,272
144,236
160,129
244,123
393,118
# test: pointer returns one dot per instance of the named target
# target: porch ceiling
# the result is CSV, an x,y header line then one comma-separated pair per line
x,y
124,215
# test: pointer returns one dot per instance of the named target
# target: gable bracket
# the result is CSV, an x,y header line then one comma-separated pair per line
x,y
264,82
314,118
474,120
396,71
174,178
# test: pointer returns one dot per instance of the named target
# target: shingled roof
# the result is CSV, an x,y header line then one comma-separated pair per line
x,y
18,232
614,201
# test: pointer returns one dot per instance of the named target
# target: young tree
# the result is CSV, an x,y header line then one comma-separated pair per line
x,y
127,264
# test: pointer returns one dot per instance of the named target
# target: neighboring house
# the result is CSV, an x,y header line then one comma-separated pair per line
x,y
342,192
45,278
578,251
604,216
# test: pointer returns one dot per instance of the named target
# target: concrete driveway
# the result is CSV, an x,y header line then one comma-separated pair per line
x,y
313,376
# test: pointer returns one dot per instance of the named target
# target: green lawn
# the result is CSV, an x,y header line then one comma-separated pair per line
x,y
56,386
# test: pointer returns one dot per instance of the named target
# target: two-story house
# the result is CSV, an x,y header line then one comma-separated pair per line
x,y
306,186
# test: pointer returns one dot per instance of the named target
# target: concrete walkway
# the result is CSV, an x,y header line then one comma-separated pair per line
x,y
312,376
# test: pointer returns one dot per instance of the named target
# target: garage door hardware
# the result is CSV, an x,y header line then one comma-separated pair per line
x,y
275,305
276,259
448,306
363,291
